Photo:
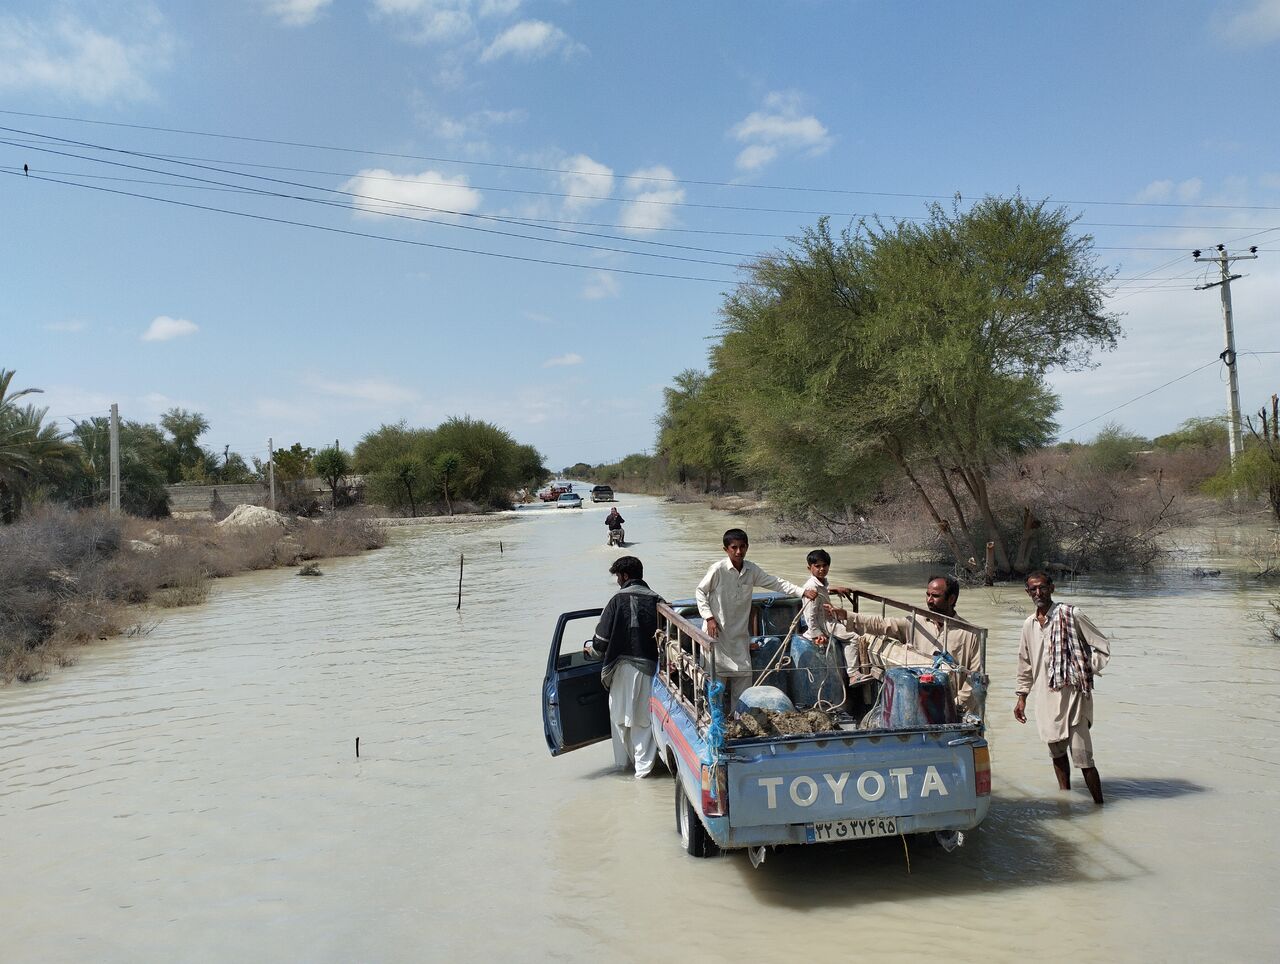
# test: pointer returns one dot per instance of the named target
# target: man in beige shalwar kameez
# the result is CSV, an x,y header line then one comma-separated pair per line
x,y
923,637
1060,653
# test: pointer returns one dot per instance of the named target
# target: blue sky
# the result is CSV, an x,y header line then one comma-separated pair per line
x,y
700,131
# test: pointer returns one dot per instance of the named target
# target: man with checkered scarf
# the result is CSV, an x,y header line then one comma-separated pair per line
x,y
1060,653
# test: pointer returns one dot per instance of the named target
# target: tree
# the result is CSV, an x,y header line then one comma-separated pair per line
x,y
925,345
31,452
144,452
697,431
405,472
332,463
447,465
1257,469
188,461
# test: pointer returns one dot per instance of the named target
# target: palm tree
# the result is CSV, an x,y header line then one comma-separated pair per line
x,y
29,449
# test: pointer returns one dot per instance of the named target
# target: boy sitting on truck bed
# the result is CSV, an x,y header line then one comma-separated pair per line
x,y
724,603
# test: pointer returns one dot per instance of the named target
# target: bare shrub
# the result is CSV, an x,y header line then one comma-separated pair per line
x,y
173,597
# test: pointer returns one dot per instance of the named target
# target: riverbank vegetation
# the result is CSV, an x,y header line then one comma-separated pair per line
x,y
463,463
71,577
891,383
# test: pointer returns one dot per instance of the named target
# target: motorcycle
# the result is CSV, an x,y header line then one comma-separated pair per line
x,y
617,537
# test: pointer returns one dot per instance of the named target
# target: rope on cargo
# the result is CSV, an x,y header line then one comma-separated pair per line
x,y
783,660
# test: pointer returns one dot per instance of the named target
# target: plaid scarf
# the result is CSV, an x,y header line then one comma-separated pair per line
x,y
1070,658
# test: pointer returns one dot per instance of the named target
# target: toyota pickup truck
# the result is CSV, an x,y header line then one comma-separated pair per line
x,y
754,793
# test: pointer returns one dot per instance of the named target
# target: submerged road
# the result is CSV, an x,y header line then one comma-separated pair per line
x,y
194,794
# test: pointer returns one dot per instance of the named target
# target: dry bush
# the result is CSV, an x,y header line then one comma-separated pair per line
x,y
335,536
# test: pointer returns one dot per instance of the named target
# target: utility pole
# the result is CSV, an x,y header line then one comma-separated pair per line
x,y
115,459
1223,260
271,472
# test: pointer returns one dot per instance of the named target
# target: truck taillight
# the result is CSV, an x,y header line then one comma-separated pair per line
x,y
982,770
714,804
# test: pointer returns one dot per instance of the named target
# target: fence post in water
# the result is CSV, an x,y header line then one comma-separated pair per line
x,y
461,556
988,577
499,547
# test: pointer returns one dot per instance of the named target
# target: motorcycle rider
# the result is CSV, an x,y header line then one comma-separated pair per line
x,y
614,521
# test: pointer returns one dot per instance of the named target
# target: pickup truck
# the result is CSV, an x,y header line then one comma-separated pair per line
x,y
752,793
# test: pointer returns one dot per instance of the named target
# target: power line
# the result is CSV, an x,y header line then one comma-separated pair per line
x,y
42,138
370,235
629,177
1138,398
399,204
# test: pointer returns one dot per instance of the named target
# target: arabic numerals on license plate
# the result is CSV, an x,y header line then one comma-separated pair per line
x,y
851,829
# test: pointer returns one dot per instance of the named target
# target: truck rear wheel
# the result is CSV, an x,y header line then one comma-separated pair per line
x,y
693,835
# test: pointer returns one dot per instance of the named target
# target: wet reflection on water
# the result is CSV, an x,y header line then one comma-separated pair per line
x,y
195,794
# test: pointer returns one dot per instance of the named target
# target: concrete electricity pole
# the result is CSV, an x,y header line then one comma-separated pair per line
x,y
115,459
1223,260
271,472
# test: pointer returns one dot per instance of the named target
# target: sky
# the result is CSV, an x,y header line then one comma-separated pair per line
x,y
308,218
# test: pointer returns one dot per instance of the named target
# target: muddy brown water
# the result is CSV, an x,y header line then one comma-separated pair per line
x,y
194,795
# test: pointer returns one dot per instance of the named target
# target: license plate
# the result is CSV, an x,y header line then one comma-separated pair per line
x,y
851,829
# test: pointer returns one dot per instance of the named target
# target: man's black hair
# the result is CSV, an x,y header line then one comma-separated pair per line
x,y
628,566
1038,574
953,585
739,535
818,555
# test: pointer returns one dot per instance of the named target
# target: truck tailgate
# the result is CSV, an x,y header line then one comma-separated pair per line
x,y
857,776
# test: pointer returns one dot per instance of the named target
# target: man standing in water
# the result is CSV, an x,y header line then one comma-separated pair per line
x,y
624,638
1060,653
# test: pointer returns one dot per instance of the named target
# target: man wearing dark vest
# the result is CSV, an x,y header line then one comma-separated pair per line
x,y
624,639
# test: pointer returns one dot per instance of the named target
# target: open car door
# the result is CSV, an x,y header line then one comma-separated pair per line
x,y
575,704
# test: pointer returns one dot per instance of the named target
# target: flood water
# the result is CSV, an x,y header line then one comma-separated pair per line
x,y
195,795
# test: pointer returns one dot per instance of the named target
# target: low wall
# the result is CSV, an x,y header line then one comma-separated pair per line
x,y
199,498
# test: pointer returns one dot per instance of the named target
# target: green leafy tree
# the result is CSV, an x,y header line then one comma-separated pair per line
x,y
294,463
1256,471
144,452
446,466
332,464
32,452
1195,433
188,461
403,476
923,345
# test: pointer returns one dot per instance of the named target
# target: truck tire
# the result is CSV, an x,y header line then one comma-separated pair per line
x,y
693,835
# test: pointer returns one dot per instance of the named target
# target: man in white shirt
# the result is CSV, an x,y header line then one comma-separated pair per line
x,y
724,603
1060,653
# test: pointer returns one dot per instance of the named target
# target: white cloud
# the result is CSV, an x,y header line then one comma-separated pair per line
x,y
779,126
373,391
589,181
1169,191
430,21
73,59
573,358
1254,26
165,328
652,207
69,326
295,13
470,127
602,285
381,192
529,40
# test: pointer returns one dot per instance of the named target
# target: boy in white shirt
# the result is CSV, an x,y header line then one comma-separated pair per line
x,y
724,603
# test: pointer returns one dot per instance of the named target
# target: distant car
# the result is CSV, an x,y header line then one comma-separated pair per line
x,y
569,500
601,493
